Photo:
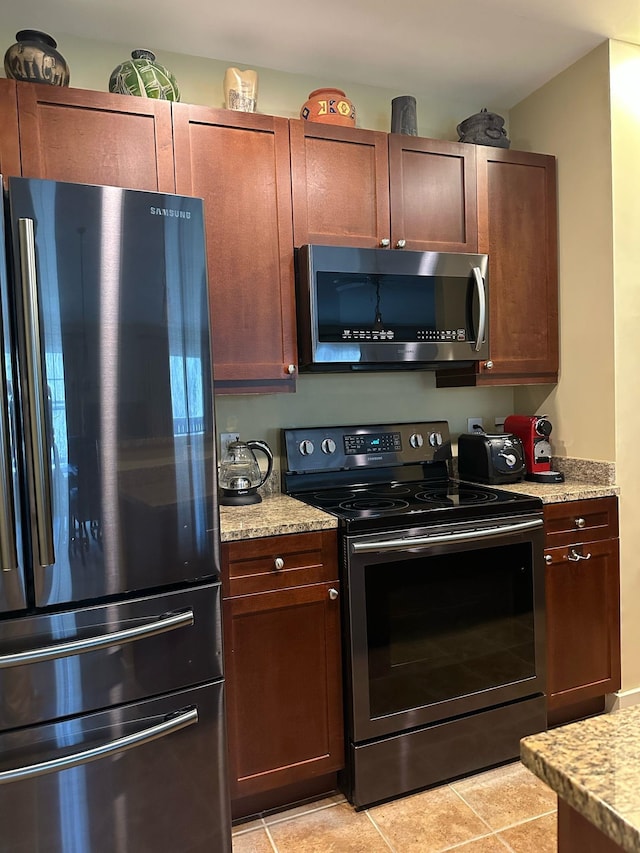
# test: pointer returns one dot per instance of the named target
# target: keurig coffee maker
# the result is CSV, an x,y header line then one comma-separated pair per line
x,y
534,432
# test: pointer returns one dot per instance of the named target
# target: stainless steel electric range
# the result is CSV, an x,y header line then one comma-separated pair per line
x,y
443,605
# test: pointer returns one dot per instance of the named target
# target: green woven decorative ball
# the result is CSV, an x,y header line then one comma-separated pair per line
x,y
143,76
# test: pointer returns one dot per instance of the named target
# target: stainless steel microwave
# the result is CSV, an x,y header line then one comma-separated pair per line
x,y
381,309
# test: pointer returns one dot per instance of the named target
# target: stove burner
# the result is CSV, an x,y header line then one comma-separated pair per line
x,y
373,503
444,497
390,490
331,497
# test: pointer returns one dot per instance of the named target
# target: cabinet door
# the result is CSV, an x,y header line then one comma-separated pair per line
x,y
517,227
432,190
340,185
283,676
9,141
95,138
239,164
583,622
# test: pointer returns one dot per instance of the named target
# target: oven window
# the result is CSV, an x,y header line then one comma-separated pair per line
x,y
442,627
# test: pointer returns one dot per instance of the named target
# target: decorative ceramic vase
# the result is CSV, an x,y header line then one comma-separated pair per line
x,y
403,115
484,128
330,106
143,76
241,90
34,59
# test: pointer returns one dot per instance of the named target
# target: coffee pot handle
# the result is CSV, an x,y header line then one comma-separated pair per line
x,y
264,448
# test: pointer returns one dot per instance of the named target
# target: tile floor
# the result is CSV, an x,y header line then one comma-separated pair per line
x,y
505,809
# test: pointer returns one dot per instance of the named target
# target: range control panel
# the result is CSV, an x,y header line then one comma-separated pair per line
x,y
318,449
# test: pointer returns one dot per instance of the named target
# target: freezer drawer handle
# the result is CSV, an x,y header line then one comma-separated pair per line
x,y
35,389
407,543
167,727
90,644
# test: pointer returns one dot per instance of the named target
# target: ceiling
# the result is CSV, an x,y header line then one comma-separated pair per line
x,y
493,52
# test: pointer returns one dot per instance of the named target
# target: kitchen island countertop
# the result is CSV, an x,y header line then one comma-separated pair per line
x,y
594,767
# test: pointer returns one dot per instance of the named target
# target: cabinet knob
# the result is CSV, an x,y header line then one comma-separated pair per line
x,y
278,564
488,365
333,594
548,559
580,523
291,369
385,242
401,244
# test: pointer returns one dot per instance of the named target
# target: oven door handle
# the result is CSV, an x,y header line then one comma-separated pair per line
x,y
409,543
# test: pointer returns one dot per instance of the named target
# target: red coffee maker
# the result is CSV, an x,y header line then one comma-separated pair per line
x,y
534,432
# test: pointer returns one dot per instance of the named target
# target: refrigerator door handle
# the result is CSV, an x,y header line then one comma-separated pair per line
x,y
168,726
8,553
91,644
36,394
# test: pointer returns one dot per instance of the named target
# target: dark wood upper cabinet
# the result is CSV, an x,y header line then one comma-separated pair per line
x,y
339,184
95,138
367,188
9,138
239,164
517,228
432,190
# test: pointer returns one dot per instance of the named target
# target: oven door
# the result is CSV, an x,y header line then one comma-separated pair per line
x,y
443,622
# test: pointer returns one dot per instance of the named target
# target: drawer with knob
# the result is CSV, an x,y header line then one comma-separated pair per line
x,y
574,522
278,562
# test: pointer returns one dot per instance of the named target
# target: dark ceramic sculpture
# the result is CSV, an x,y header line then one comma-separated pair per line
x,y
403,115
484,128
34,59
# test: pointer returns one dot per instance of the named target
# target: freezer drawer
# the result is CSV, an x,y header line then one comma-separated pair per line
x,y
73,662
168,794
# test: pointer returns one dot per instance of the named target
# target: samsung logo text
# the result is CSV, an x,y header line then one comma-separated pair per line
x,y
170,211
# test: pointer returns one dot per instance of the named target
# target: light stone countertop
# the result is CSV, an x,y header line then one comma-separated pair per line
x,y
279,514
276,515
594,766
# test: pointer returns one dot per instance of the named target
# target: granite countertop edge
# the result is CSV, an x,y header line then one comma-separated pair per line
x,y
280,514
570,762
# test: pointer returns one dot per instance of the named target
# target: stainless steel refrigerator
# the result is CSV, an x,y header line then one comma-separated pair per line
x,y
112,732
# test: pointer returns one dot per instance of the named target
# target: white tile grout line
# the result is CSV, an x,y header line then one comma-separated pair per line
x,y
381,833
270,837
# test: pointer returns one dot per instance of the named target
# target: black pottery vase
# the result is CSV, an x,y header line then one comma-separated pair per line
x,y
403,115
34,59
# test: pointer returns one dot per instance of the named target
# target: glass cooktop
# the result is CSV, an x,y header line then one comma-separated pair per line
x,y
388,476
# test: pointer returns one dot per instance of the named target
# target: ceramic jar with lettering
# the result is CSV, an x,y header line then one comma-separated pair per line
x,y
330,106
34,59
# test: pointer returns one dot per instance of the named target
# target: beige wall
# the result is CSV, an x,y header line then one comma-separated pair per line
x,y
590,116
569,116
200,82
625,135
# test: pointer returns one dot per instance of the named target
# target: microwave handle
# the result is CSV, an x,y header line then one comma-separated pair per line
x,y
482,299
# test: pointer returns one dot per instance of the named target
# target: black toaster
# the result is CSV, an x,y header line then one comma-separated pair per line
x,y
490,458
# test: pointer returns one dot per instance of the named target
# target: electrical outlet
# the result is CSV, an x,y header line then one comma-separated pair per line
x,y
475,425
225,440
499,424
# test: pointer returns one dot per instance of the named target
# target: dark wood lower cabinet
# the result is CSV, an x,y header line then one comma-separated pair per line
x,y
283,673
578,835
583,606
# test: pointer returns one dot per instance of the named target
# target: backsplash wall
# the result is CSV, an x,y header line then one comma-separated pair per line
x,y
323,400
